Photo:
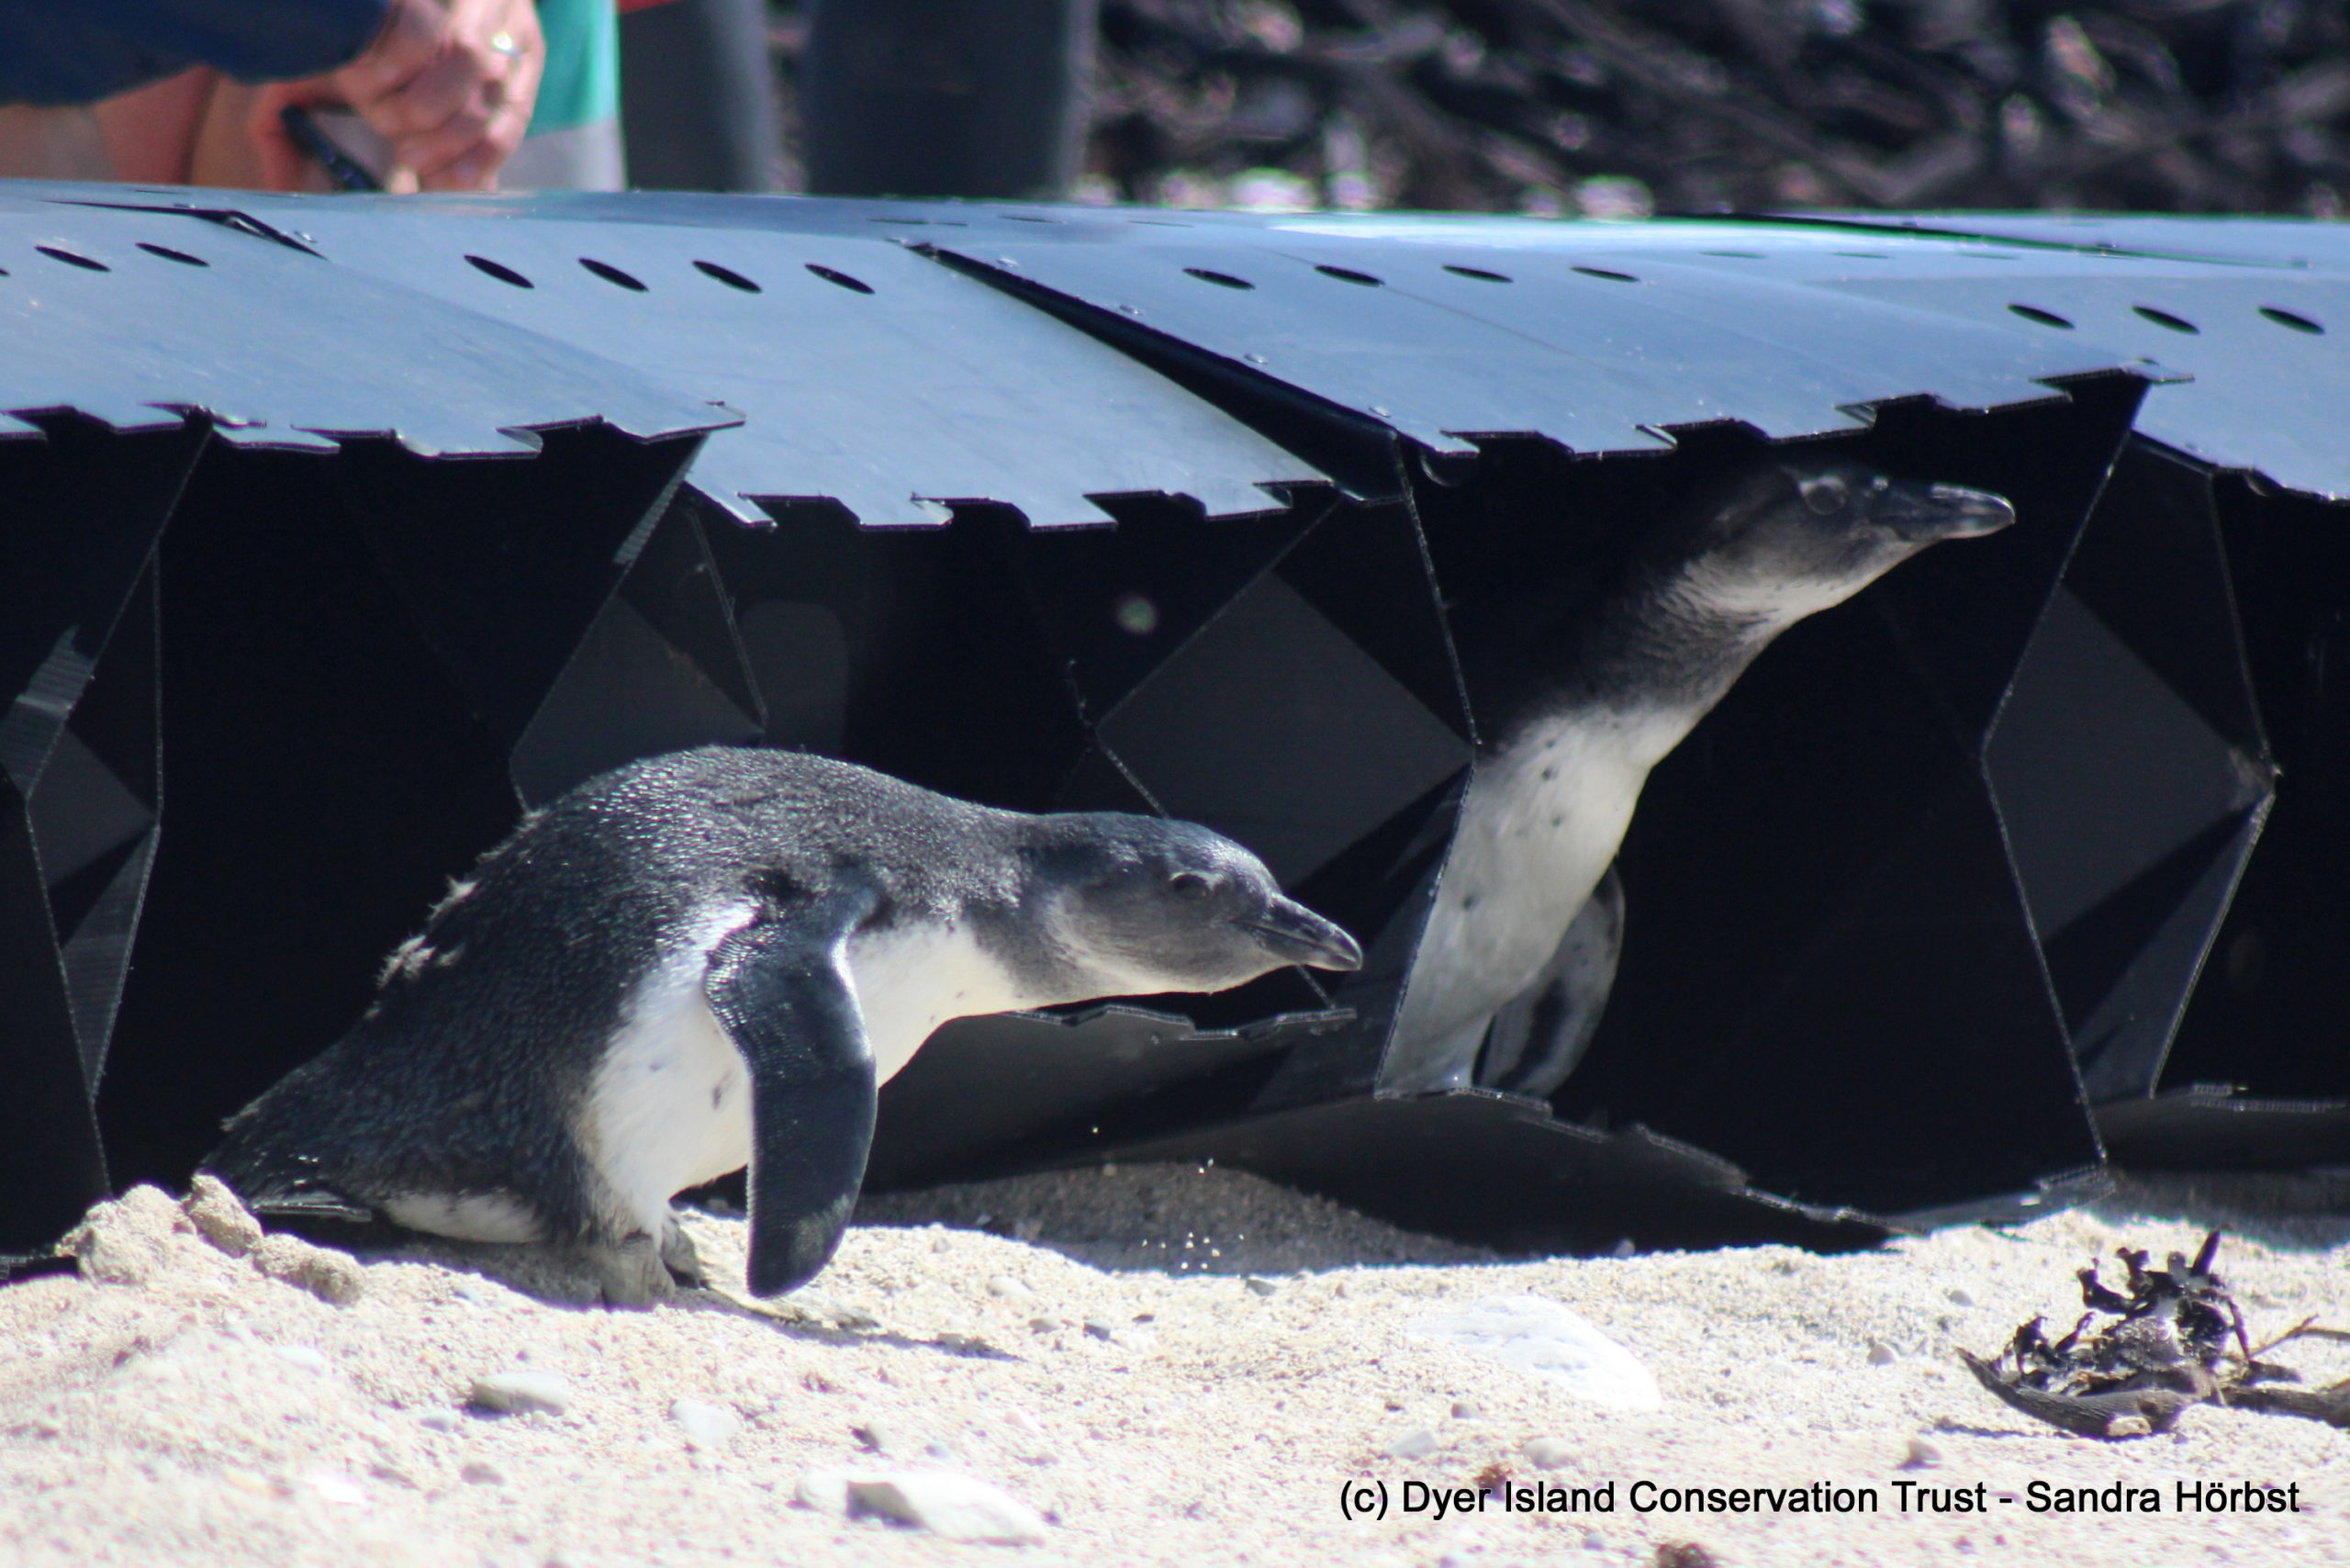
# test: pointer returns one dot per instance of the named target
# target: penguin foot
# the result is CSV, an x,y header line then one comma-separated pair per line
x,y
631,1272
678,1256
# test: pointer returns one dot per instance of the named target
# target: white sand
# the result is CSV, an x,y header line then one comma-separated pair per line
x,y
197,1411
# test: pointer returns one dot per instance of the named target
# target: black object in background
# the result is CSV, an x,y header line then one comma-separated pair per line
x,y
347,173
80,513
698,108
2269,1017
945,97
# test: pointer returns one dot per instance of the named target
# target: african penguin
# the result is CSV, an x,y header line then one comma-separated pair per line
x,y
1516,923
713,959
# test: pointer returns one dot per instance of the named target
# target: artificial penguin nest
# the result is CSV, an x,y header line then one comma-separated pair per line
x,y
2178,1339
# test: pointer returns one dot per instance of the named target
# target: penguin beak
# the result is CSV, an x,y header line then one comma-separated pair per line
x,y
1924,513
1296,935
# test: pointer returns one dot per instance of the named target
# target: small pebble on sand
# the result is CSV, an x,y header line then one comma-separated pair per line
x,y
825,1491
521,1393
249,1481
1542,1337
1417,1443
220,1217
1549,1453
333,1277
482,1475
1263,1287
1684,1554
1881,1354
708,1428
1462,1410
956,1507
1009,1287
1921,1455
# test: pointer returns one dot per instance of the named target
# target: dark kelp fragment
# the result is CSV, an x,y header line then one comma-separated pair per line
x,y
2176,1339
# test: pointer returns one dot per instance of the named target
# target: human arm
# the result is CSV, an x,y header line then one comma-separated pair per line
x,y
53,53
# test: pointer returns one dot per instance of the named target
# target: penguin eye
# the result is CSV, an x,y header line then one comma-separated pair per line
x,y
1824,495
1188,885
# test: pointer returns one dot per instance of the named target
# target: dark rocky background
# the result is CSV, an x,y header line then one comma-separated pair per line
x,y
1619,108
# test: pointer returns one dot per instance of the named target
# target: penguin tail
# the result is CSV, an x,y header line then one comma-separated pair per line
x,y
312,1206
264,1186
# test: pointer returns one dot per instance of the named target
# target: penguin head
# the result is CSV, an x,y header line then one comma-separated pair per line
x,y
1788,539
1142,905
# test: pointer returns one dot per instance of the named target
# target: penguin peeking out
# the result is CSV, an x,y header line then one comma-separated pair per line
x,y
713,959
1520,949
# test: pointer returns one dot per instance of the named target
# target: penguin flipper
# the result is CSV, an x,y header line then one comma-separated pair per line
x,y
1538,1037
780,989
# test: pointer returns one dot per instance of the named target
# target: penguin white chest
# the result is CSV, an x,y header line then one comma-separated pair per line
x,y
1541,821
911,978
669,1107
1540,824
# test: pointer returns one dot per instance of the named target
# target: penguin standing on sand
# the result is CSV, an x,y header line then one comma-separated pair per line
x,y
1520,949
714,958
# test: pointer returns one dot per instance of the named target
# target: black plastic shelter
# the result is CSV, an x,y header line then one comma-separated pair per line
x,y
338,530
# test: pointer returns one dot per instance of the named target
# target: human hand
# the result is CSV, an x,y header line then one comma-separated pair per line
x,y
449,84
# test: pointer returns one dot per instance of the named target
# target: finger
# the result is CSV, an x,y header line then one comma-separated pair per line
x,y
412,37
512,27
484,54
284,165
460,136
512,122
454,84
281,161
471,103
475,166
525,52
448,158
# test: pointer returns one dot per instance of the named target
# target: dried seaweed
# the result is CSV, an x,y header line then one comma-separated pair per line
x,y
2134,1362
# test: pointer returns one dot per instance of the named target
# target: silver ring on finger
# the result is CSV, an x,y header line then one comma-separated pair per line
x,y
504,43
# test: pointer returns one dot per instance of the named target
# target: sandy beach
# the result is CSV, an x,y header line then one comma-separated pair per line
x,y
1153,1365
